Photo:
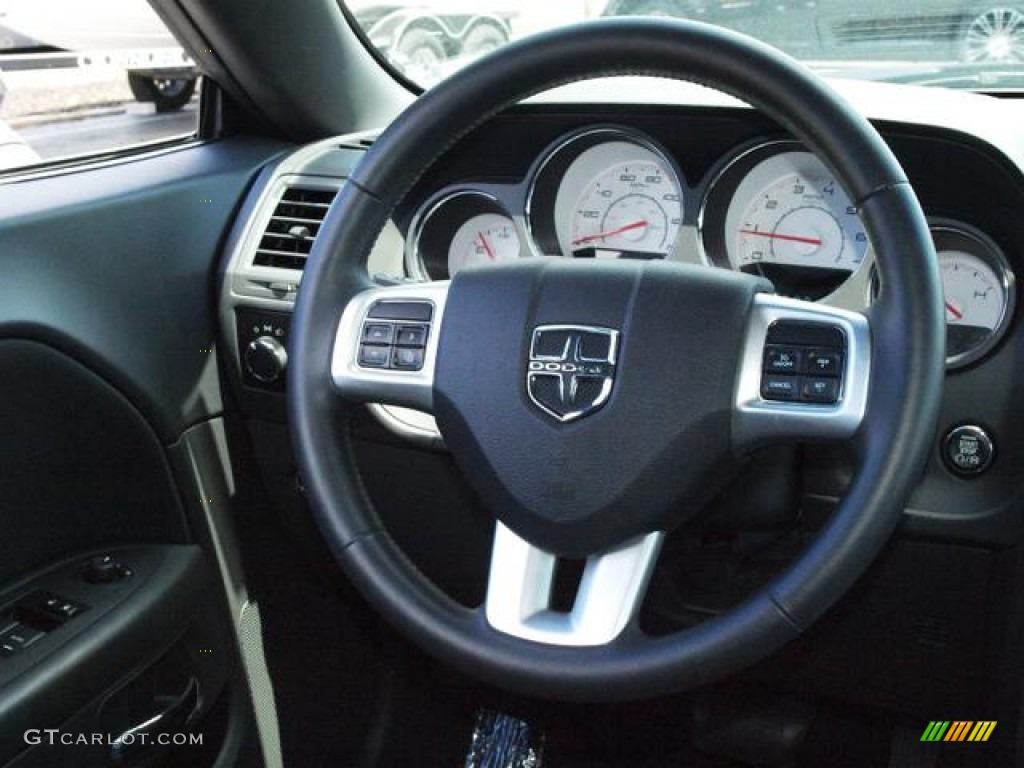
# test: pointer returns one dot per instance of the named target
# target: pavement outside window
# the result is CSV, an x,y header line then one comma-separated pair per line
x,y
72,111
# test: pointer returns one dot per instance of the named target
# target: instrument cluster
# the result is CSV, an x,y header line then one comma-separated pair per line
x,y
772,209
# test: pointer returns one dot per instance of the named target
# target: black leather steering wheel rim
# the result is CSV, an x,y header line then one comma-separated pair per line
x,y
894,439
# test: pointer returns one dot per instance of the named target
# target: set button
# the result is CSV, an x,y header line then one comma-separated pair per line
x,y
814,389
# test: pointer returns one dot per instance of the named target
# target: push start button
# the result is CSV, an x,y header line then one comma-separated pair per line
x,y
967,450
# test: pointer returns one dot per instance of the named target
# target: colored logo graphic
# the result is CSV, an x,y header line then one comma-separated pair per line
x,y
958,730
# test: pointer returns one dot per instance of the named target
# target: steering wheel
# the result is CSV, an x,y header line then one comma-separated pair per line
x,y
595,406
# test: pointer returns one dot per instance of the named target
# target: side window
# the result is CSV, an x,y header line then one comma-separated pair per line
x,y
81,77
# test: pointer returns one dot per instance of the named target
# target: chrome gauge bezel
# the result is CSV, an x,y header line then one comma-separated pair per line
x,y
470,201
720,199
988,252
549,175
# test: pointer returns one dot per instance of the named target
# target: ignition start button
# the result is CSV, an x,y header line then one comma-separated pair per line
x,y
968,450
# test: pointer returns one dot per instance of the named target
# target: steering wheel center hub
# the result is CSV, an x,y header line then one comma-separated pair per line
x,y
585,401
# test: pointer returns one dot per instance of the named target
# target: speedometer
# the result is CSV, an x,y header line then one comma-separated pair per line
x,y
616,194
630,208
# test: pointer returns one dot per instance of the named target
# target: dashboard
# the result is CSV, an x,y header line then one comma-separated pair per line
x,y
697,179
767,206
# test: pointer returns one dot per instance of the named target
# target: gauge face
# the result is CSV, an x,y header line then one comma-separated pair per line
x,y
977,288
803,220
785,217
632,208
617,197
458,228
484,239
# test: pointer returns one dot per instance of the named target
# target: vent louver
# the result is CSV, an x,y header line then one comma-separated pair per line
x,y
293,227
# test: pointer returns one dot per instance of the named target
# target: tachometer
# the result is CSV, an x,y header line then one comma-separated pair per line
x,y
801,219
776,210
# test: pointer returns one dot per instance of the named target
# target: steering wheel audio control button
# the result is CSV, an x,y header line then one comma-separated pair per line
x,y
372,356
968,450
407,359
412,336
378,333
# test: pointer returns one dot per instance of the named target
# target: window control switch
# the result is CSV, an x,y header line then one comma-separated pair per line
x,y
46,610
17,638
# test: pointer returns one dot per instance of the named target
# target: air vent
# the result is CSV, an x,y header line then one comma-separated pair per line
x,y
293,227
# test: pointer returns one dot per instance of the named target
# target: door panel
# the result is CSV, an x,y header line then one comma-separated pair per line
x,y
107,362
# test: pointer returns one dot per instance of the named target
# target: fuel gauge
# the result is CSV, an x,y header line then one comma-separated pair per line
x,y
484,239
457,228
978,292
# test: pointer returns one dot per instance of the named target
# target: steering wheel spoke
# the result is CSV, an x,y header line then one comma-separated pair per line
x,y
613,585
385,348
804,372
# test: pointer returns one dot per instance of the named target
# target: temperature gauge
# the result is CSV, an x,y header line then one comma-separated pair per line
x,y
977,287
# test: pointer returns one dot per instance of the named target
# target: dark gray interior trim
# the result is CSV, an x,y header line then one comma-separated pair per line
x,y
103,263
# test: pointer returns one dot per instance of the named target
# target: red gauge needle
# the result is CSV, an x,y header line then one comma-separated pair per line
x,y
610,232
778,236
956,313
486,245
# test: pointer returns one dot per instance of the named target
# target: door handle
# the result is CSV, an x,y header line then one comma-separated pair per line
x,y
145,737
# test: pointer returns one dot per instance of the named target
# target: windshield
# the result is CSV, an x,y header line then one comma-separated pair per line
x,y
976,44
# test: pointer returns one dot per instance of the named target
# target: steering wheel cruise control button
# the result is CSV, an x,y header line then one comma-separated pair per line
x,y
822,362
968,450
815,350
780,387
818,390
782,360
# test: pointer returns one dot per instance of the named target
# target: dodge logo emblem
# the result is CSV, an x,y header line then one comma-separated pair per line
x,y
571,369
